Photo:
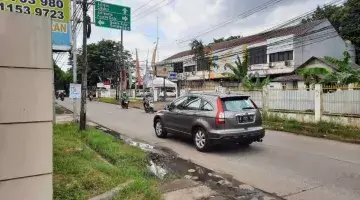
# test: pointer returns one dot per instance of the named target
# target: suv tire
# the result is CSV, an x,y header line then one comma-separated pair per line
x,y
201,139
159,129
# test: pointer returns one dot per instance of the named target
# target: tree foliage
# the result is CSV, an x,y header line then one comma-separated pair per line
x,y
104,61
345,74
61,79
198,50
257,84
344,18
312,75
239,71
222,39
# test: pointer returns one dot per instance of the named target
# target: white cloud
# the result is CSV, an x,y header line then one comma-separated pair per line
x,y
187,18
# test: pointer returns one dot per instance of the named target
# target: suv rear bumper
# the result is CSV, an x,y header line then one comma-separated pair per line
x,y
251,134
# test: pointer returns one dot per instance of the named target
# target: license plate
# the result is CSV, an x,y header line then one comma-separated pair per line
x,y
246,118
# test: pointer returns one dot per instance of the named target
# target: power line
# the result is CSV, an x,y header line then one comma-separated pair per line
x,y
241,16
142,6
152,10
274,27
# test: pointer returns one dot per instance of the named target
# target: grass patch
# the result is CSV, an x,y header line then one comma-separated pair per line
x,y
322,129
108,100
90,163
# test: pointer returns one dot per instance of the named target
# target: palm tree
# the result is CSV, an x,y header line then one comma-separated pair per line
x,y
239,71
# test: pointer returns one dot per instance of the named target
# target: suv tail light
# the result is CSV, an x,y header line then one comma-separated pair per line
x,y
220,115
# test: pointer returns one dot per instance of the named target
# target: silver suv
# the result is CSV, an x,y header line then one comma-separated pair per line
x,y
211,119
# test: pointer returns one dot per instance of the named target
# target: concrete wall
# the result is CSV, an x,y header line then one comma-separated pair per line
x,y
351,121
26,109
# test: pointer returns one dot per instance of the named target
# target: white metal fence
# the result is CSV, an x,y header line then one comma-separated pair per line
x,y
342,102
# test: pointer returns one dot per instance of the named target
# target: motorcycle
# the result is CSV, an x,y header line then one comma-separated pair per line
x,y
125,104
62,97
90,97
148,105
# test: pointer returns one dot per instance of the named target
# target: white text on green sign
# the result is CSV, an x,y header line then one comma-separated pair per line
x,y
112,16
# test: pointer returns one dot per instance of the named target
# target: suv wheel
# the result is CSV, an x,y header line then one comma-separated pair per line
x,y
201,140
159,129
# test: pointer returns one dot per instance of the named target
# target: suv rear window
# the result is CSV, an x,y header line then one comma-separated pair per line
x,y
237,103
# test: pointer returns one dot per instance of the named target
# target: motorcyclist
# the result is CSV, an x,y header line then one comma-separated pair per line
x,y
124,98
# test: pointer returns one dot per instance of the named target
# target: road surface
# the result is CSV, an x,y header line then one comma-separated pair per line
x,y
291,166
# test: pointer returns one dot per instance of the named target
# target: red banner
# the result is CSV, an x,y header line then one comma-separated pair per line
x,y
139,78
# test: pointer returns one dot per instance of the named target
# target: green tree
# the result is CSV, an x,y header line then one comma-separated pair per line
x,y
257,84
104,61
239,71
344,18
61,79
312,75
198,51
345,74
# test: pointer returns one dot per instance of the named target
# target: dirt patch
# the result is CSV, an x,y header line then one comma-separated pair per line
x,y
223,184
61,110
164,162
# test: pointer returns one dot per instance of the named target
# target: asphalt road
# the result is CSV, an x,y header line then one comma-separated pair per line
x,y
294,167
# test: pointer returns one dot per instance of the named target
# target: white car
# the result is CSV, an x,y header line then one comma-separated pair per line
x,y
168,94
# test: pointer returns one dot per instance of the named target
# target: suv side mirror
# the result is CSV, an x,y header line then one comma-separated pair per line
x,y
169,106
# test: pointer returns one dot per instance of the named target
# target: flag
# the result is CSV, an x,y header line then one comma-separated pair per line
x,y
153,59
138,75
124,77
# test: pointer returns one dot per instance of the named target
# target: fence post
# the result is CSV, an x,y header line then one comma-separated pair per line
x,y
265,98
318,102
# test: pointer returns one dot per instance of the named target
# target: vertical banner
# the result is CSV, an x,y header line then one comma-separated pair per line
x,y
153,60
138,75
57,10
124,77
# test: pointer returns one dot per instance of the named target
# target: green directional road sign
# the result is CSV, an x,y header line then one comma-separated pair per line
x,y
112,16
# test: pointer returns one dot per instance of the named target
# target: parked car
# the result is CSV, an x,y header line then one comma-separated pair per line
x,y
168,94
210,119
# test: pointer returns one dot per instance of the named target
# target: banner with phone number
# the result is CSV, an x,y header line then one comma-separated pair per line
x,y
58,10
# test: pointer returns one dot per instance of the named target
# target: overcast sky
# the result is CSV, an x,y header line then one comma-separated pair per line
x,y
179,19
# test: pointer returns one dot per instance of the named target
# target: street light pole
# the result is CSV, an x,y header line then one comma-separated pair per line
x,y
84,69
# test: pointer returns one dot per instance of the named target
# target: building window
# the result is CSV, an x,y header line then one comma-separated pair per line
x,y
283,86
257,55
281,56
295,85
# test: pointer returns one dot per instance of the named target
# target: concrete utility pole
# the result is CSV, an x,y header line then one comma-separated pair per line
x,y
84,69
74,54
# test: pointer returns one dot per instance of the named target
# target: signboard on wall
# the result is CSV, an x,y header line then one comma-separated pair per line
x,y
75,91
57,10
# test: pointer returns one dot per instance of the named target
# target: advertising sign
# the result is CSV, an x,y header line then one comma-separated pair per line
x,y
75,91
58,10
163,71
